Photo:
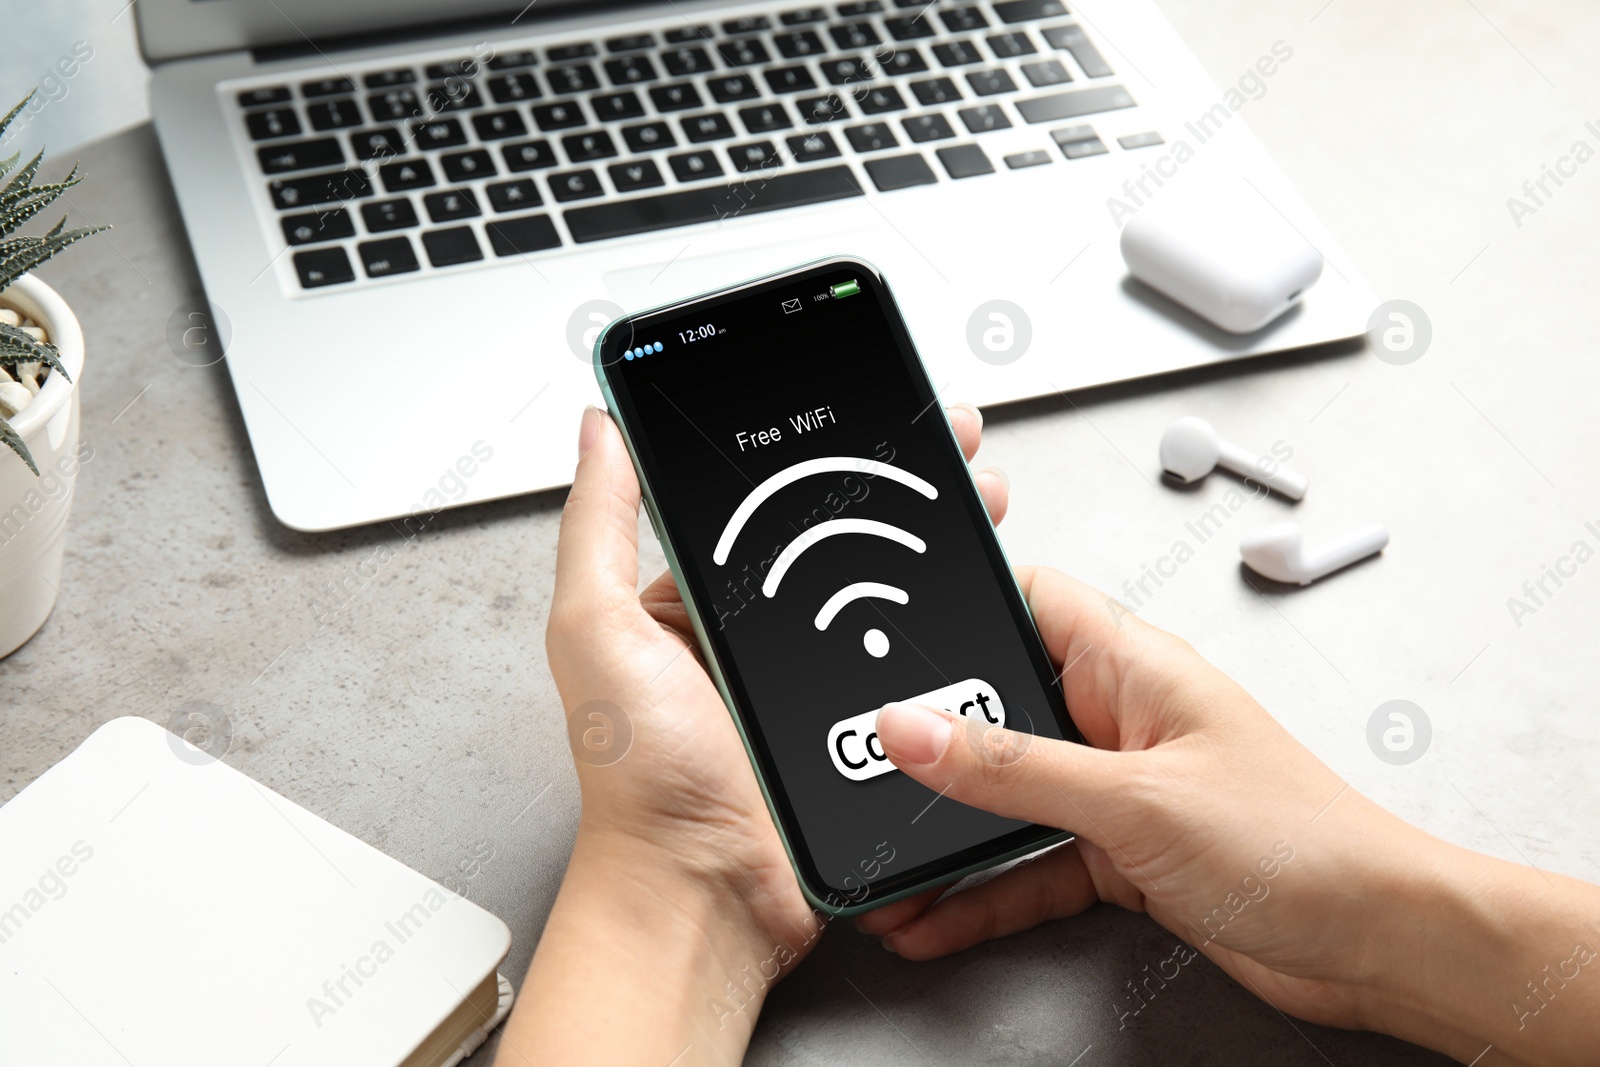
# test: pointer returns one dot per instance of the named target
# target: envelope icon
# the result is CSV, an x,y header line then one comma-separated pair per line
x,y
791,306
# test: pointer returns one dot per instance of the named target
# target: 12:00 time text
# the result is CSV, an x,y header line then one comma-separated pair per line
x,y
697,333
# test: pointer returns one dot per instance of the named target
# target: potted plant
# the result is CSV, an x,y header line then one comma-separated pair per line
x,y
41,360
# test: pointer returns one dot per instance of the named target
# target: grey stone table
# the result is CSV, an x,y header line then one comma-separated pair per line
x,y
414,708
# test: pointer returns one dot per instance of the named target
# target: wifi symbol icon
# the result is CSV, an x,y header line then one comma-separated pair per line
x,y
874,640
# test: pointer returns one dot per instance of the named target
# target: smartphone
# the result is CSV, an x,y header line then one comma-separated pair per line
x,y
834,555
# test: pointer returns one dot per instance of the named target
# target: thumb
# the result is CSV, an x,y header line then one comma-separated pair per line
x,y
597,556
1014,774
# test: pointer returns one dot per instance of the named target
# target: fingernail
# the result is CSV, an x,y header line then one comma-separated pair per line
x,y
914,733
889,942
1005,479
588,430
964,406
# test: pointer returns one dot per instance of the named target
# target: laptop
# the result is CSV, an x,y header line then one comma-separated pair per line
x,y
412,218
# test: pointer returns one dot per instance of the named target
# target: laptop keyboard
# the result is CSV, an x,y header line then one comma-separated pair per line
x,y
374,173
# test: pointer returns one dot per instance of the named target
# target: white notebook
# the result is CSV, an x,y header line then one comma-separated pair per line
x,y
160,909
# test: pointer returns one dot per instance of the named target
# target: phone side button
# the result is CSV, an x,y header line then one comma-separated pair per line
x,y
655,523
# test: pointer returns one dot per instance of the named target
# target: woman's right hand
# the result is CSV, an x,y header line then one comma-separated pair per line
x,y
1194,805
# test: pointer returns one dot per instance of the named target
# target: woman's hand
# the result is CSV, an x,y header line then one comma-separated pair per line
x,y
1195,806
679,901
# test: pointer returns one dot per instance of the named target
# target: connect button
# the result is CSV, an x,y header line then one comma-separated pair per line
x,y
853,742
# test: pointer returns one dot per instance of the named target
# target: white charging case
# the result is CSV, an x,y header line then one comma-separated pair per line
x,y
1222,251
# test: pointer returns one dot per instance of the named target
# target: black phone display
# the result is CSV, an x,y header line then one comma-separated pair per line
x,y
825,530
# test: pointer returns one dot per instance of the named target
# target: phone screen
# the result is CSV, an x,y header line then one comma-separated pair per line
x,y
820,512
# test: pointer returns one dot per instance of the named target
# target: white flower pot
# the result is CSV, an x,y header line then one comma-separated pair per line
x,y
33,509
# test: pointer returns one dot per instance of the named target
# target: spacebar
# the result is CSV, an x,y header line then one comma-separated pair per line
x,y
598,222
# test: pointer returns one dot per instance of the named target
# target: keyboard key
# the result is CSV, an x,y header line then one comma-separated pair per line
x,y
922,128
765,118
465,67
963,19
818,109
810,147
384,142
385,79
382,215
1045,73
1011,45
457,94
877,101
678,97
1070,105
393,255
796,79
1019,160
902,61
857,8
990,82
564,53
900,172
449,247
710,203
799,44
631,177
683,34
731,88
528,155
273,122
467,166
450,205
909,27
510,60
871,137
957,53
583,147
1013,11
748,24
964,161
574,79
935,91
1141,140
266,94
300,155
575,185
648,136
407,174
440,133
1079,142
323,266
334,114
316,226
327,188
610,107
1072,39
633,42
853,35
326,87
802,16
681,62
516,195
562,115
846,71
753,156
984,117
743,52
693,166
630,70
493,125
701,128
530,233
510,88
395,104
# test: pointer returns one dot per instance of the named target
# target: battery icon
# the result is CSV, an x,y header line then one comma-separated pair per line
x,y
844,289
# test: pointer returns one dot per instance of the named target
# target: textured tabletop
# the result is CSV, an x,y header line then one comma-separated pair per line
x,y
398,688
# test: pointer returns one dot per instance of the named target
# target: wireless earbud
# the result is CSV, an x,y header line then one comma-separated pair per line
x,y
1279,552
1191,449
